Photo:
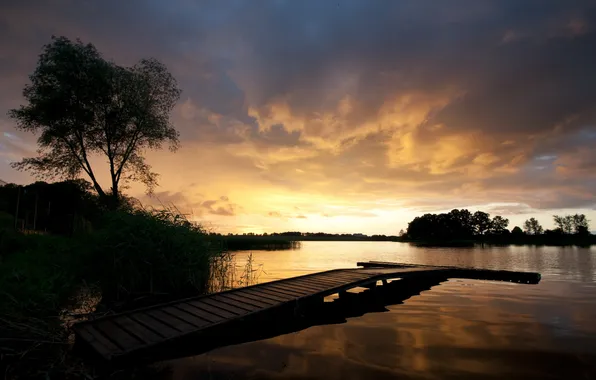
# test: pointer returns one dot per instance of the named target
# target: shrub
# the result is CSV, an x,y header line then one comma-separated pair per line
x,y
126,254
148,252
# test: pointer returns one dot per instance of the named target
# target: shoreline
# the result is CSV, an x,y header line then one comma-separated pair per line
x,y
241,242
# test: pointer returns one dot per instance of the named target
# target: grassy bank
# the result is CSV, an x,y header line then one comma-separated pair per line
x,y
128,259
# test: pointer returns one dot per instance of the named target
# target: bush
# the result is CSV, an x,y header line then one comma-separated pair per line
x,y
148,252
145,252
127,254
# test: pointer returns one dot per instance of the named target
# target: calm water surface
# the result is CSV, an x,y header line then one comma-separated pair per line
x,y
458,329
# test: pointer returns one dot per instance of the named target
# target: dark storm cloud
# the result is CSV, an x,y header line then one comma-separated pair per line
x,y
533,81
308,50
531,86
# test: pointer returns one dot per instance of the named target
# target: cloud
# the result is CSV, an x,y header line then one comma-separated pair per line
x,y
220,206
310,104
509,209
195,206
277,214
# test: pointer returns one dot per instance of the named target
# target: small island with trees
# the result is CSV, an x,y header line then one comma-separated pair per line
x,y
461,227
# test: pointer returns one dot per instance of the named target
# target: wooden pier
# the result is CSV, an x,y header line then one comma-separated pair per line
x,y
134,333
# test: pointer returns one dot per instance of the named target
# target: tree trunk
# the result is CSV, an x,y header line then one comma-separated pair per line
x,y
115,197
98,188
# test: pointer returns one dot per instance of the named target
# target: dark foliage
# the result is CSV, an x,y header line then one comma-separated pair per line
x,y
516,231
455,225
306,236
460,227
533,227
57,208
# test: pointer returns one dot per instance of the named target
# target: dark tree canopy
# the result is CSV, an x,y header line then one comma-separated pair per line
x,y
481,221
533,227
564,223
499,225
569,224
457,224
460,226
516,231
52,207
82,105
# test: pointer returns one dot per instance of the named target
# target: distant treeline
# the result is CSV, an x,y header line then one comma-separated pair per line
x,y
57,208
463,226
315,236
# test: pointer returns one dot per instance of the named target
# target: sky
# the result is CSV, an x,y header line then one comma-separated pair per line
x,y
344,116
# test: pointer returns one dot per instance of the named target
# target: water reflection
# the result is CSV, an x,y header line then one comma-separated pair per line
x,y
458,329
293,317
566,263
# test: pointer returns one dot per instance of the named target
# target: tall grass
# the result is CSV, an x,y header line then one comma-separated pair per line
x,y
226,274
139,254
150,251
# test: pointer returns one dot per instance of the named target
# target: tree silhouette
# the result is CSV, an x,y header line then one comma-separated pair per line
x,y
82,105
516,231
564,223
461,223
577,224
457,224
533,227
481,221
499,225
581,224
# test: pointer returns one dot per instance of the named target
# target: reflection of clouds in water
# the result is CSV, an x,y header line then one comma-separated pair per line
x,y
458,329
454,328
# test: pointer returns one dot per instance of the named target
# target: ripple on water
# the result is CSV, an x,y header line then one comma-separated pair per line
x,y
461,329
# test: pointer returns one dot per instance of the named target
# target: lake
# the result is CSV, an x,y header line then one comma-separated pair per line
x,y
460,329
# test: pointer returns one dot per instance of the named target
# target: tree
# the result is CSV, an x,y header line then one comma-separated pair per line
x,y
565,223
82,105
516,231
461,223
481,222
532,227
499,225
581,224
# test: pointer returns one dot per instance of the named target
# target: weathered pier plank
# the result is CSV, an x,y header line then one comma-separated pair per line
x,y
117,337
